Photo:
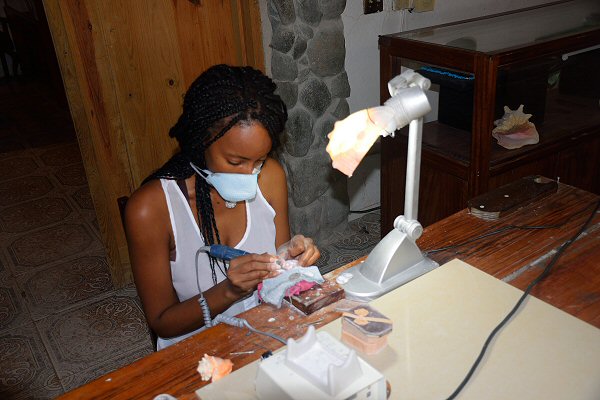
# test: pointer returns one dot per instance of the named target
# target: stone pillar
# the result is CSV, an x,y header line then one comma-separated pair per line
x,y
308,67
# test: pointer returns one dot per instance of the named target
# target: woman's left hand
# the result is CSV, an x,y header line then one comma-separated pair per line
x,y
300,248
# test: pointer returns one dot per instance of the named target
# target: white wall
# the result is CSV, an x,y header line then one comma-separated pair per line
x,y
362,62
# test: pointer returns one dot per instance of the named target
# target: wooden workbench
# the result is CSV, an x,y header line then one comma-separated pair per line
x,y
515,256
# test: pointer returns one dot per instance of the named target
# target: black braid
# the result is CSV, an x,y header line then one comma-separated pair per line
x,y
217,100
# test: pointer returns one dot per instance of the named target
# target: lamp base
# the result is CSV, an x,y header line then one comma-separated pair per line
x,y
395,261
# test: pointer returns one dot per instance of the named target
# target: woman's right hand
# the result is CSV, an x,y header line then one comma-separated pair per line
x,y
246,272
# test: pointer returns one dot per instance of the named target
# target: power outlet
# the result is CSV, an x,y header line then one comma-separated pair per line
x,y
423,5
398,5
372,6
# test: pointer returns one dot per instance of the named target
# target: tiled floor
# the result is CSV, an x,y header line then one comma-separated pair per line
x,y
62,323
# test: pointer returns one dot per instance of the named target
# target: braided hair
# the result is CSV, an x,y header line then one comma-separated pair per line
x,y
217,100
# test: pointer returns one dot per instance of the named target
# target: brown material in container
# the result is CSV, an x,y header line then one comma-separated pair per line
x,y
365,329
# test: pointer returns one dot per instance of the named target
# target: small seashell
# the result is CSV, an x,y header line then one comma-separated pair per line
x,y
514,130
210,367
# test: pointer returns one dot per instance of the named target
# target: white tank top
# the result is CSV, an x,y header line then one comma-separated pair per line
x,y
259,237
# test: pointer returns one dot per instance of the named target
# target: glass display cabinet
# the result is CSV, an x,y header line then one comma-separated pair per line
x,y
546,58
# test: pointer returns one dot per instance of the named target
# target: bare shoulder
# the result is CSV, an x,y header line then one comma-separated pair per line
x,y
273,181
147,205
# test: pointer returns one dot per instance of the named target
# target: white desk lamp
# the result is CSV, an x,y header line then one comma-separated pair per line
x,y
396,259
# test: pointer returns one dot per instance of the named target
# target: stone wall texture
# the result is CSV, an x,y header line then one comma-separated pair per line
x,y
307,64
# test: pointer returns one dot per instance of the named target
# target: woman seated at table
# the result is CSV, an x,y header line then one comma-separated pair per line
x,y
222,187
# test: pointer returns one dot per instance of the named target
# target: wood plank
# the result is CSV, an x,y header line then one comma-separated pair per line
x,y
252,33
501,201
82,58
484,93
147,84
204,39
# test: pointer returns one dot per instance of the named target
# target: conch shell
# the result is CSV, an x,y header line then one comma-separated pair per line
x,y
514,130
214,367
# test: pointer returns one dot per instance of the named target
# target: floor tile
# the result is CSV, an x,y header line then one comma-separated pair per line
x,y
26,368
15,167
26,188
34,214
13,310
96,334
82,197
50,391
50,244
71,175
75,380
4,271
54,289
355,241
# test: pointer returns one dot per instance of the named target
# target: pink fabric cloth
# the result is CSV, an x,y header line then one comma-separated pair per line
x,y
298,288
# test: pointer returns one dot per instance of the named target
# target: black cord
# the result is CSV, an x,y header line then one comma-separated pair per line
x,y
504,229
368,210
537,280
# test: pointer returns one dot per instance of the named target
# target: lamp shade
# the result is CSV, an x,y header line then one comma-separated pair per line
x,y
353,136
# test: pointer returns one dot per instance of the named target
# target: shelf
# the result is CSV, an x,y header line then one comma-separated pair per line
x,y
567,117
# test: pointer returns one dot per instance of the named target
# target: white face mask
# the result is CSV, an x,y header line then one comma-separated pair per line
x,y
231,187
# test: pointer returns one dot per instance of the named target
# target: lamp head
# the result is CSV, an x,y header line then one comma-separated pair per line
x,y
353,136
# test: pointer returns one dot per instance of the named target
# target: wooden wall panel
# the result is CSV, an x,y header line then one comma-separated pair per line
x,y
126,66
205,39
252,33
146,74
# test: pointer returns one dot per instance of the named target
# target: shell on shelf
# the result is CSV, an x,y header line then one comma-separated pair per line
x,y
514,129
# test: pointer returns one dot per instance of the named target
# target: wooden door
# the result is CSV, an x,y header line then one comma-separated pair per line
x,y
126,65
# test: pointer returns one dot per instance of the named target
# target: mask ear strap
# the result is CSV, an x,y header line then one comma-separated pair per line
x,y
199,171
261,165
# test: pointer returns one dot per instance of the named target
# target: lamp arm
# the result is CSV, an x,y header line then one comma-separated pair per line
x,y
410,105
408,223
413,169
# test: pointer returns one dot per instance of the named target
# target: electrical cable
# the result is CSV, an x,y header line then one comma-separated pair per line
x,y
537,280
202,300
242,323
504,229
